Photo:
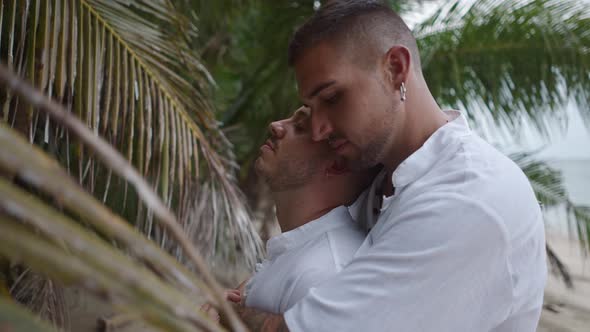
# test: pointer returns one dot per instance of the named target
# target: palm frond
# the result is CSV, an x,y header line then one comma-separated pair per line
x,y
81,244
558,268
110,158
122,69
42,296
14,317
114,284
551,193
519,61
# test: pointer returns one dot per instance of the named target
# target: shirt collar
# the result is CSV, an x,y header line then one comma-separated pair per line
x,y
419,162
279,244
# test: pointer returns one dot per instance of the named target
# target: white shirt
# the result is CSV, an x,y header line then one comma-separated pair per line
x,y
301,258
459,247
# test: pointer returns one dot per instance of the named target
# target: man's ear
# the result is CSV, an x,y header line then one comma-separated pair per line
x,y
397,64
337,167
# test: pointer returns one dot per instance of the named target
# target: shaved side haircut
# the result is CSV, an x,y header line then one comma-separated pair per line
x,y
365,30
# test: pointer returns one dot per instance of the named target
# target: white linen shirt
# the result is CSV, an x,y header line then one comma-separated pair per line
x,y
301,258
459,247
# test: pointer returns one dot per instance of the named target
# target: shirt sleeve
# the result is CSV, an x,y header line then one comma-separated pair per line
x,y
440,264
304,282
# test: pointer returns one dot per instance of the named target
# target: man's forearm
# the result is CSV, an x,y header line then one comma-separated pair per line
x,y
262,321
270,323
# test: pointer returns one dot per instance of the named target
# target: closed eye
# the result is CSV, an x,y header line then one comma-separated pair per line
x,y
332,100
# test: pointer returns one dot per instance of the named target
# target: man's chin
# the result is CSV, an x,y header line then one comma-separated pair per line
x,y
360,163
258,166
261,168
353,159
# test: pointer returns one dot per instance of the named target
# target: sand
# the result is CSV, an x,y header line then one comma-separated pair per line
x,y
567,310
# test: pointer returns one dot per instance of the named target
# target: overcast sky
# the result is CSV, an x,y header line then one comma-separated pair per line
x,y
575,144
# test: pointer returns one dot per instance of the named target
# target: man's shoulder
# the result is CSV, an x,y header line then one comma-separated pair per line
x,y
331,250
322,252
444,213
476,172
344,243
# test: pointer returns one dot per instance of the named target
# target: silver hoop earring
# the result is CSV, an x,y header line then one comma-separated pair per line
x,y
402,90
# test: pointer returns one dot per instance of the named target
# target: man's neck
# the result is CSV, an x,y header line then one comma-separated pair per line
x,y
423,118
299,206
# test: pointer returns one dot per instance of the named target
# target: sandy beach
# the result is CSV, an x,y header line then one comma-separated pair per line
x,y
567,310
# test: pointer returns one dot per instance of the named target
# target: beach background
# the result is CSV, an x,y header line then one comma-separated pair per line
x,y
568,310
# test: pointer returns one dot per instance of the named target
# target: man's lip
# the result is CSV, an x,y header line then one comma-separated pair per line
x,y
337,143
268,144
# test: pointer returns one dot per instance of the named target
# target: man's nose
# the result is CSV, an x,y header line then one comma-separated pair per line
x,y
276,129
320,127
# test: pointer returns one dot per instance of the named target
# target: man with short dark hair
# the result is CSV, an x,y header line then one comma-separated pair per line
x,y
456,239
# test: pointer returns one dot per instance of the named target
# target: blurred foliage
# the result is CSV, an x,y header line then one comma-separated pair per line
x,y
126,69
516,61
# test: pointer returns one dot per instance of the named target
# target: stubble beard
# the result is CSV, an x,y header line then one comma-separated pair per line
x,y
373,151
291,174
369,156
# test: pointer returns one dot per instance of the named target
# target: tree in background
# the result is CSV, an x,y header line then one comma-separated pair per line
x,y
124,69
125,72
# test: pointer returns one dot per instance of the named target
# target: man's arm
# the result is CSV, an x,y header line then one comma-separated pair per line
x,y
257,320
233,295
437,266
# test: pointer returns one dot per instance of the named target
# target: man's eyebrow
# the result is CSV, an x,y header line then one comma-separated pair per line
x,y
319,88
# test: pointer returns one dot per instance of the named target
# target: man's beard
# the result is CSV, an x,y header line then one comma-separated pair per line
x,y
291,174
375,151
370,156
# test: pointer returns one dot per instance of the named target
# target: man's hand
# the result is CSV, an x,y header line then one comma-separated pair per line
x,y
232,295
254,319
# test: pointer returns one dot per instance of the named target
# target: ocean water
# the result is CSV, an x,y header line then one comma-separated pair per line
x,y
576,175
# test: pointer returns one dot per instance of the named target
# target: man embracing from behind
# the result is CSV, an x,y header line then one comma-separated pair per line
x,y
456,239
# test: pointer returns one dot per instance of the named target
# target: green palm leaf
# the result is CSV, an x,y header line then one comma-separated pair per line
x,y
518,61
551,193
122,69
83,257
13,317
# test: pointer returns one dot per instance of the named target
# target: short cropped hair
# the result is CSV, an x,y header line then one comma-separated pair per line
x,y
368,27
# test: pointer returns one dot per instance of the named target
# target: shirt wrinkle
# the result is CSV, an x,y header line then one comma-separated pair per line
x,y
301,258
333,251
